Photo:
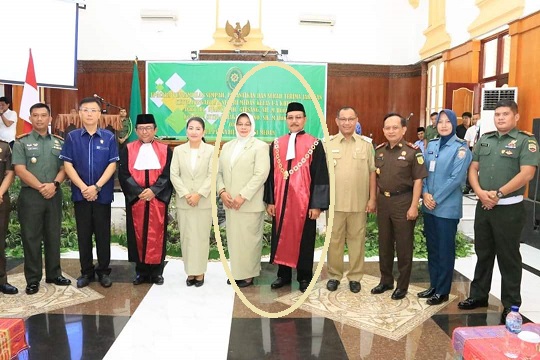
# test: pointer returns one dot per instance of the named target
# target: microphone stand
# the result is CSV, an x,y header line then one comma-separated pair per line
x,y
108,105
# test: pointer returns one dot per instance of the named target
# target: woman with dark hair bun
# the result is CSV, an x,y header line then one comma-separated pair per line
x,y
191,170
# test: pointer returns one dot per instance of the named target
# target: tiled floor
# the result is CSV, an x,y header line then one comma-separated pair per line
x,y
176,322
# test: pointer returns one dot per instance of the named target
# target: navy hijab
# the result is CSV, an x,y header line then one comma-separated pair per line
x,y
453,120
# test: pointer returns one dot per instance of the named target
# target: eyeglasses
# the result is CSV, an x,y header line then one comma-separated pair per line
x,y
297,117
87,110
353,119
145,128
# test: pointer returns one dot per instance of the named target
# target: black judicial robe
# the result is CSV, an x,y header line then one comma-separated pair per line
x,y
162,189
307,183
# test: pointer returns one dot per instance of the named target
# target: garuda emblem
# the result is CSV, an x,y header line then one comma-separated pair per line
x,y
238,33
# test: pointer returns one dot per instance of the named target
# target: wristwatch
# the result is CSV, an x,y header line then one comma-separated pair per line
x,y
98,188
500,194
56,184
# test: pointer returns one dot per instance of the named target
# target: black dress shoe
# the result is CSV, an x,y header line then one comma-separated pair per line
x,y
158,280
140,279
426,294
84,280
32,288
437,299
332,284
472,303
354,286
303,285
199,283
244,283
280,282
398,294
59,280
379,289
105,280
8,289
190,282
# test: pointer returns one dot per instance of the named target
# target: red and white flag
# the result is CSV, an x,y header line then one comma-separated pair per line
x,y
30,95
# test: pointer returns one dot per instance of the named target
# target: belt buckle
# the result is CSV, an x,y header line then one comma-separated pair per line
x,y
387,193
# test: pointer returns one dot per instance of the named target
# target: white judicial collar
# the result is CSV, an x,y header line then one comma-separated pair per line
x,y
147,158
291,152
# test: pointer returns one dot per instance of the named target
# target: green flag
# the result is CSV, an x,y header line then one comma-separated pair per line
x,y
135,104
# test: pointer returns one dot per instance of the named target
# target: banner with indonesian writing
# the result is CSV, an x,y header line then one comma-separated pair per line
x,y
177,91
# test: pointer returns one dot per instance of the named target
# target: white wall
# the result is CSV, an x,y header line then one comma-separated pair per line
x,y
459,15
366,31
531,6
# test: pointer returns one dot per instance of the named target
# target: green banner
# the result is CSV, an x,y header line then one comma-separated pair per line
x,y
177,91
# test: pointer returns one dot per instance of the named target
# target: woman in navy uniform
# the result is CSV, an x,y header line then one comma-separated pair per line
x,y
447,159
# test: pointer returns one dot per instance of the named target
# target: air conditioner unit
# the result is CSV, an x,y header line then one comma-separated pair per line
x,y
490,97
150,14
317,20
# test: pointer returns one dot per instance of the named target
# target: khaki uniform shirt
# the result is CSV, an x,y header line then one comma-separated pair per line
x,y
40,154
397,168
500,157
353,162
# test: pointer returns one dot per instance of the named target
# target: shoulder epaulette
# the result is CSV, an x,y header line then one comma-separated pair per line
x,y
330,138
490,132
380,145
411,145
461,141
23,135
58,137
526,133
430,140
366,139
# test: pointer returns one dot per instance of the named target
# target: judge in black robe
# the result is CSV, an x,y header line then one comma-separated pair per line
x,y
144,178
296,191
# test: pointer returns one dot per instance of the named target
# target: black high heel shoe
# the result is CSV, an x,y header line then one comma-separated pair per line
x,y
198,283
190,282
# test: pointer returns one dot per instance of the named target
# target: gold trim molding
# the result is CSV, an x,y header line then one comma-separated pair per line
x,y
437,40
493,14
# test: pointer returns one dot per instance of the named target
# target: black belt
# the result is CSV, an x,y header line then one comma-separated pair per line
x,y
395,193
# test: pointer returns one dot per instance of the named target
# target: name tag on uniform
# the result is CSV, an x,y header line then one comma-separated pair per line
x,y
432,166
335,150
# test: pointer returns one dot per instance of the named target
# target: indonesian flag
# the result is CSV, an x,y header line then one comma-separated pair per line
x,y
30,95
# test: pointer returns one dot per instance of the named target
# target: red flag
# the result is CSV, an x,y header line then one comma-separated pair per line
x,y
30,95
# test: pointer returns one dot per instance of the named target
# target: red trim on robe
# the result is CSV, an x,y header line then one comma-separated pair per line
x,y
298,195
156,208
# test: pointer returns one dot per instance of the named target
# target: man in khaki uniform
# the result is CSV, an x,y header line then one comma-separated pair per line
x,y
356,184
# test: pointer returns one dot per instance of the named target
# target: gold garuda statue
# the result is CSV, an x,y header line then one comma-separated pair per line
x,y
238,33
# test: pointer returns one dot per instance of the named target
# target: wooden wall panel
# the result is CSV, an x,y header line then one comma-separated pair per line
x,y
404,98
369,96
109,79
462,63
524,69
374,91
